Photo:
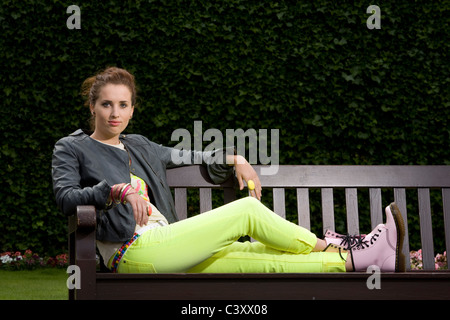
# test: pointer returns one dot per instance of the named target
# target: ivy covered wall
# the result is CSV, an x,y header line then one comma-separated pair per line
x,y
337,91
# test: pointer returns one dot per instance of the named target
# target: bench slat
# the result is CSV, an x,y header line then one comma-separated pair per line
x,y
351,200
279,206
205,199
426,231
446,209
376,207
303,210
327,209
400,200
181,202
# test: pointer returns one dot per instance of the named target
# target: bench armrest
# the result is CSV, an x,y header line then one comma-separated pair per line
x,y
84,220
82,250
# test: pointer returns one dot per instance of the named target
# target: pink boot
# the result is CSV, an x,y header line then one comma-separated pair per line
x,y
383,246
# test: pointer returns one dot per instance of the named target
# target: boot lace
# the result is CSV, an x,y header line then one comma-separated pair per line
x,y
362,243
357,241
349,241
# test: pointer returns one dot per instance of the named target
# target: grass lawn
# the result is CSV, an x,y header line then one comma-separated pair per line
x,y
39,284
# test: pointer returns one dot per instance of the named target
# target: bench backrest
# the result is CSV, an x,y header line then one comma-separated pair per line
x,y
327,179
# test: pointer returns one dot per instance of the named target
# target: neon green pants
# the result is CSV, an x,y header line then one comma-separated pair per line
x,y
208,243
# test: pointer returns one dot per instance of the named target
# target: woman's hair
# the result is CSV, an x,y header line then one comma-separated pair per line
x,y
91,87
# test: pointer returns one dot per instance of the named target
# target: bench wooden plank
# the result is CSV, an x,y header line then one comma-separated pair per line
x,y
426,231
351,201
180,195
446,212
376,207
334,286
303,210
279,204
400,200
289,176
205,199
190,176
327,209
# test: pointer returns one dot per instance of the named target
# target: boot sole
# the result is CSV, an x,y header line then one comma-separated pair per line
x,y
400,262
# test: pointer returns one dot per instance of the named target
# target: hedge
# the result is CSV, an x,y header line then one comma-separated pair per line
x,y
338,92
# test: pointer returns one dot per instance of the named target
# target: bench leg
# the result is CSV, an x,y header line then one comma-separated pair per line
x,y
85,260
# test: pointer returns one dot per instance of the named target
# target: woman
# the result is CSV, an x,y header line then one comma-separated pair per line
x,y
123,176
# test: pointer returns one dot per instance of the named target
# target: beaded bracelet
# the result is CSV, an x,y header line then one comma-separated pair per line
x,y
119,253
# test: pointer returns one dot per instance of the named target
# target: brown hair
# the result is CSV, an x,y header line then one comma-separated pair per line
x,y
90,89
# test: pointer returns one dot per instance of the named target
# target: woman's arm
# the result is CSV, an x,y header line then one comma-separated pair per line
x,y
244,171
214,161
219,164
67,187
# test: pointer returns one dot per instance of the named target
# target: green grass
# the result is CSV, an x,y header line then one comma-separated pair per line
x,y
39,284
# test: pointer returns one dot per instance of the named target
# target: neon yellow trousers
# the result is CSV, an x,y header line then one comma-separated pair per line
x,y
208,243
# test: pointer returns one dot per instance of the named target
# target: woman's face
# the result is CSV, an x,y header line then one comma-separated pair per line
x,y
112,111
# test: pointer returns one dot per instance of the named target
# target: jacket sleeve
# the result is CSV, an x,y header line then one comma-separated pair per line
x,y
214,161
67,187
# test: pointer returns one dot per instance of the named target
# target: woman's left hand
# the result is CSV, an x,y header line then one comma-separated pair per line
x,y
244,171
140,208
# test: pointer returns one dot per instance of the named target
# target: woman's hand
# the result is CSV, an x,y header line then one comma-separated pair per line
x,y
140,208
244,171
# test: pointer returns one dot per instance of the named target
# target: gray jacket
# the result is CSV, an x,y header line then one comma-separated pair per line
x,y
84,170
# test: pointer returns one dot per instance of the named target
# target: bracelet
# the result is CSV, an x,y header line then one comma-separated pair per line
x,y
116,192
127,194
113,195
120,191
124,191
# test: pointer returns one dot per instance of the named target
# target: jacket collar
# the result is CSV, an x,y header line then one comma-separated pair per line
x,y
86,132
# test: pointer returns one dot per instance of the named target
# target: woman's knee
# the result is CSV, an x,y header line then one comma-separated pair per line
x,y
250,201
243,208
251,206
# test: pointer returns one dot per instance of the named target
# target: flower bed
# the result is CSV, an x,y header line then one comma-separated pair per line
x,y
29,261
440,261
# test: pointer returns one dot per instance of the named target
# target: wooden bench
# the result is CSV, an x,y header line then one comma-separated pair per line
x,y
352,181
